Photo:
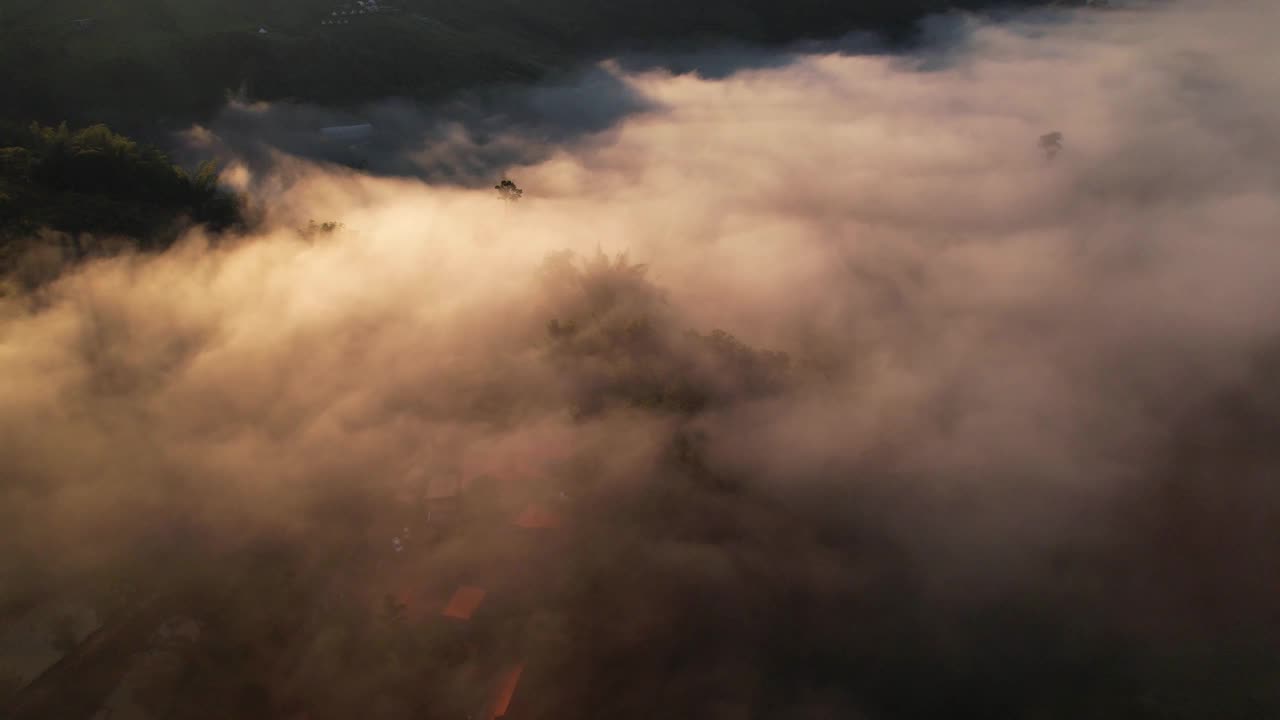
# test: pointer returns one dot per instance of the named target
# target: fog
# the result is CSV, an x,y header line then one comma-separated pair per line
x,y
1016,386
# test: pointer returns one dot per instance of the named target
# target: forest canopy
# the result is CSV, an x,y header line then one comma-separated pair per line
x,y
93,180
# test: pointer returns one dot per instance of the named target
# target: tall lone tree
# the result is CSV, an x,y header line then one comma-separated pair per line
x,y
1051,144
508,191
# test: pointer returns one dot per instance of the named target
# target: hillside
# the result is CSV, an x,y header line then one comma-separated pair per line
x,y
140,64
95,181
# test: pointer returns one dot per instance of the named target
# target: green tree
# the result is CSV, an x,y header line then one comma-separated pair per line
x,y
15,163
93,180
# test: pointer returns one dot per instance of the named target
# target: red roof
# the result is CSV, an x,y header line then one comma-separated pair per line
x,y
504,692
536,517
464,602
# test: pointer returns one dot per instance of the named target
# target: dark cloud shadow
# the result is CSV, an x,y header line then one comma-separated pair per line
x,y
465,141
474,136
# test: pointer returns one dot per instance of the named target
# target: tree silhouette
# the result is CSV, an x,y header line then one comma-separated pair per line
x,y
1051,144
508,191
94,180
317,229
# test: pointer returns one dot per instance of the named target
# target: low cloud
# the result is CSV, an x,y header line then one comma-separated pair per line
x,y
1022,396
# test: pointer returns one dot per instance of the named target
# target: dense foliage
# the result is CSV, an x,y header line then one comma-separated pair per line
x,y
614,339
96,181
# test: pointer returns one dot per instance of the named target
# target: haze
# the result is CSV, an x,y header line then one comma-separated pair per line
x,y
1017,460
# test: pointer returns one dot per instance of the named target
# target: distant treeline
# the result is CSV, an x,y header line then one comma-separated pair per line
x,y
93,180
138,64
